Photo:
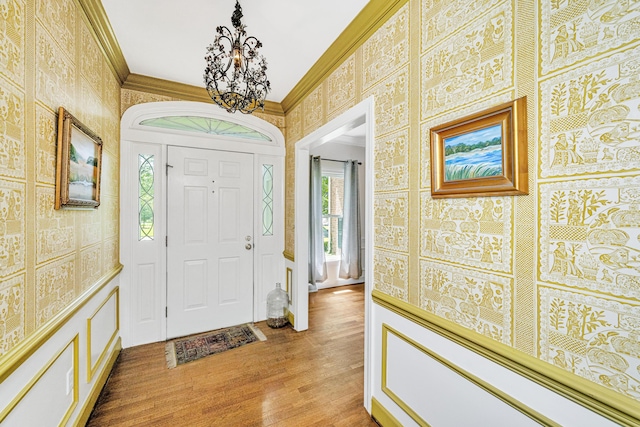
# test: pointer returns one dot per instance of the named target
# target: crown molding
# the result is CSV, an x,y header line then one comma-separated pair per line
x,y
183,91
101,26
369,20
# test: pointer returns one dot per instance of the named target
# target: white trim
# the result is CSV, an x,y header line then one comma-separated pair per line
x,y
265,278
363,113
271,152
133,131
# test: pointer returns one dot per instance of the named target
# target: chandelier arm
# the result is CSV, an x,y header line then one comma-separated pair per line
x,y
222,38
252,39
224,34
250,47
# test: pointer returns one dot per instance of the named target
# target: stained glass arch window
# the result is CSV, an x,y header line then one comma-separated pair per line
x,y
207,125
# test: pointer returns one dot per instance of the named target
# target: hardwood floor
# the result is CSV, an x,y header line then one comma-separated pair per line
x,y
311,378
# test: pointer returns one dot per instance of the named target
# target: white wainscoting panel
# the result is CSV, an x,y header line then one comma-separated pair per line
x,y
56,382
56,407
446,397
102,330
428,383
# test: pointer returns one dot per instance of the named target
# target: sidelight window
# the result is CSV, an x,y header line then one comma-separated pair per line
x,y
267,200
145,197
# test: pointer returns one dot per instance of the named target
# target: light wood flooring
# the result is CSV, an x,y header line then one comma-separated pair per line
x,y
311,378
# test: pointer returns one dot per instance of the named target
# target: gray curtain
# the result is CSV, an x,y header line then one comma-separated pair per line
x,y
350,262
317,268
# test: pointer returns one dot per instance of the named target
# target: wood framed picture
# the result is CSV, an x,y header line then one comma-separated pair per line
x,y
78,164
484,154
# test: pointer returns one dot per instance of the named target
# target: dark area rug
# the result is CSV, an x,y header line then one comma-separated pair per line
x,y
194,347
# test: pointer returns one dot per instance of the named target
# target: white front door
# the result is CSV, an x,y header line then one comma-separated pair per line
x,y
210,240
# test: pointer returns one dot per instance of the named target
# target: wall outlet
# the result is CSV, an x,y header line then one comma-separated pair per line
x,y
69,380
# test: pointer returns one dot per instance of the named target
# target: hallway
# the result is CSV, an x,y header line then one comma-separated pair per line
x,y
312,378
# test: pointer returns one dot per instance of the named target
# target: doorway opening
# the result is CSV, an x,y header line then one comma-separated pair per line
x,y
342,203
361,115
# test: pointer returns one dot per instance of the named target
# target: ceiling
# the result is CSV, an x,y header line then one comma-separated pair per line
x,y
167,39
355,136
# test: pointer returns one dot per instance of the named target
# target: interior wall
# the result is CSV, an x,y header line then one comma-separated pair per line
x,y
552,274
59,289
49,58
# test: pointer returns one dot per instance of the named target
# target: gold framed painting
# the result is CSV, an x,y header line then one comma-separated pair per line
x,y
484,154
78,164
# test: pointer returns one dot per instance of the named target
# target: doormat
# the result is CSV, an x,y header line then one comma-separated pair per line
x,y
194,347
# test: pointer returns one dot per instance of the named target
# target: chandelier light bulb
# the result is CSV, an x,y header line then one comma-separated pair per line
x,y
237,58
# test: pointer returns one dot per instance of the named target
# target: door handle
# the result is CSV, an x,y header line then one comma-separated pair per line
x,y
248,246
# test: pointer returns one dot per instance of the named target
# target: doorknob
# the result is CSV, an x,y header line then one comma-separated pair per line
x,y
248,246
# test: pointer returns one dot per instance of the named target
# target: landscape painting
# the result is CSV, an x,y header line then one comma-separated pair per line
x,y
78,164
477,154
483,154
83,166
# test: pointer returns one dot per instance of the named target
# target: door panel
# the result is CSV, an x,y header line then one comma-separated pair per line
x,y
230,216
210,222
196,167
195,215
229,271
195,284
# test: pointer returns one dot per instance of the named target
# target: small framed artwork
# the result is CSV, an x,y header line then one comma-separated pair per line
x,y
484,154
78,164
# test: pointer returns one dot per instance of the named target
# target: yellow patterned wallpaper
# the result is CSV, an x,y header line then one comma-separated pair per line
x,y
133,97
49,58
342,87
556,273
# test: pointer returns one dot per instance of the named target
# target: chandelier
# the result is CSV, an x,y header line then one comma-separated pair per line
x,y
235,76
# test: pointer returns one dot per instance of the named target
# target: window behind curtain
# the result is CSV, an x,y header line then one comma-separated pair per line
x,y
332,205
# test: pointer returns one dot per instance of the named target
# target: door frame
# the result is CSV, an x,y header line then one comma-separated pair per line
x,y
362,113
143,278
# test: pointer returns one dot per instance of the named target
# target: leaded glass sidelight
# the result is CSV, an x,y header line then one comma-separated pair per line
x,y
145,196
267,200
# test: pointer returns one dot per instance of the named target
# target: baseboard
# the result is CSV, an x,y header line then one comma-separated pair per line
x,y
87,408
382,416
292,319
